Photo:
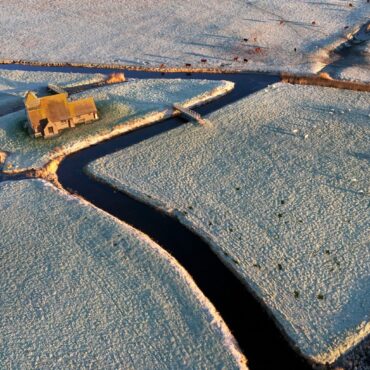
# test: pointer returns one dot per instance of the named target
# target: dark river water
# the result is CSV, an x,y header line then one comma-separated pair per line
x,y
257,334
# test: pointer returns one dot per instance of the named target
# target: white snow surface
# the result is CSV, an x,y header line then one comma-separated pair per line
x,y
18,82
279,186
121,107
355,68
80,289
282,35
14,84
353,57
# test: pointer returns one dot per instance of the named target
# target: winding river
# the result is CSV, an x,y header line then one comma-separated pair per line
x,y
257,334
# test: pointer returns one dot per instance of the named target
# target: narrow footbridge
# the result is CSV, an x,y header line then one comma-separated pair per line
x,y
190,114
57,89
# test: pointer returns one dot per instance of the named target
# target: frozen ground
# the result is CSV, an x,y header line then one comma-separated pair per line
x,y
282,35
122,107
17,82
356,359
14,84
80,289
279,186
355,66
352,59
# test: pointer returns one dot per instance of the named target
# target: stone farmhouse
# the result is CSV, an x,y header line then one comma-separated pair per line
x,y
49,115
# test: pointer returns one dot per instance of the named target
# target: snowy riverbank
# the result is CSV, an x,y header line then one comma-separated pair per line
x,y
90,291
122,108
274,35
278,185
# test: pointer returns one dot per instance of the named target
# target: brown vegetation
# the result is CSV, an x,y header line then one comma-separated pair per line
x,y
48,172
115,78
323,79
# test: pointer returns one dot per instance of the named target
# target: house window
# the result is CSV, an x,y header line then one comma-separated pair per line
x,y
50,130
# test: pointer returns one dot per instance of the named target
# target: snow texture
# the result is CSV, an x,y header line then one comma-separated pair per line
x,y
14,84
355,66
280,35
279,186
17,82
121,107
353,57
80,289
357,358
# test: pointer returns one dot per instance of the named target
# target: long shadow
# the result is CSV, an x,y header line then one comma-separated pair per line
x,y
256,333
16,177
351,53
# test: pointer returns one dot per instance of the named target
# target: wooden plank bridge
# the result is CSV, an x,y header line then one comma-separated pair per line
x,y
190,114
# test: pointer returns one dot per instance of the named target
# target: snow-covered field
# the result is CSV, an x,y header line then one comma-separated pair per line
x,y
17,82
122,107
352,59
80,289
14,84
355,66
279,186
280,35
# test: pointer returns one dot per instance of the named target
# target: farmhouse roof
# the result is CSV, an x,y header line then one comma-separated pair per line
x,y
56,108
82,106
